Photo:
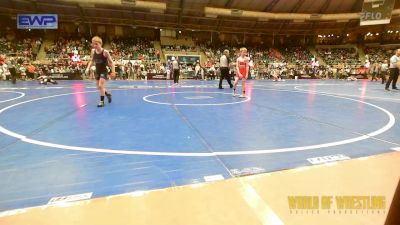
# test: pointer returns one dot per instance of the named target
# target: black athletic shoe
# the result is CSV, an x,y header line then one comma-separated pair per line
x,y
101,104
109,97
220,88
395,88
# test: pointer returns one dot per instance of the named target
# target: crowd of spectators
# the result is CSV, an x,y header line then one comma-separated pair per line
x,y
26,48
63,48
136,57
336,56
133,49
297,55
180,48
377,54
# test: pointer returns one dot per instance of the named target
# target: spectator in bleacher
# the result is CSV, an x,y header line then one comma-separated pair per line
x,y
30,71
13,71
2,73
212,72
121,71
384,70
22,71
375,68
251,68
197,72
158,54
168,71
34,53
162,68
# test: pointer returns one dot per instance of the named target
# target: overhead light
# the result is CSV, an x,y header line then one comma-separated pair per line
x,y
377,34
347,35
157,10
315,16
152,5
373,1
128,2
236,12
211,15
87,5
180,32
262,19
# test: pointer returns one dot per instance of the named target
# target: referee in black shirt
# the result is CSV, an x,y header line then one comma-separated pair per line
x,y
394,70
224,68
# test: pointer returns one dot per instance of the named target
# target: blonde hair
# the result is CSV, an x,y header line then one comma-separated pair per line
x,y
243,49
97,39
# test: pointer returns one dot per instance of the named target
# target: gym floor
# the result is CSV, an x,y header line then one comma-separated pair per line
x,y
55,142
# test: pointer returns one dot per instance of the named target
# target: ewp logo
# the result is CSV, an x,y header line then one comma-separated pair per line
x,y
37,21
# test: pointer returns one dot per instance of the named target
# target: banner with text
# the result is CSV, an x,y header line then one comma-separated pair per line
x,y
37,21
